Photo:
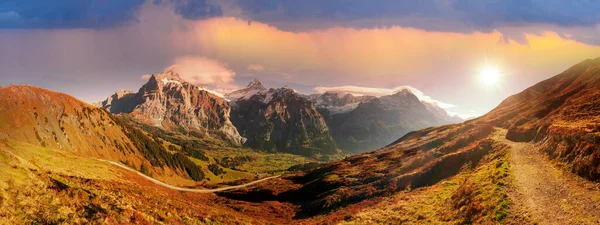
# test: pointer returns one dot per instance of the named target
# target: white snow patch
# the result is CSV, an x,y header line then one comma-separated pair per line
x,y
167,81
268,97
214,93
243,94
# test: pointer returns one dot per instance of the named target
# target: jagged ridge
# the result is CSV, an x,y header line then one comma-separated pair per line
x,y
175,105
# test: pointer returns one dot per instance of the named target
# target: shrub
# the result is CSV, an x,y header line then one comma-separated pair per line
x,y
216,169
232,163
145,170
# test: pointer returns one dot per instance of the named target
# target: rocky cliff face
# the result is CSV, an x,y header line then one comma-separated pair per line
x,y
360,124
175,105
280,120
121,101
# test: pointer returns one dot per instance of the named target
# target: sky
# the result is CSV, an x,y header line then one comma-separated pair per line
x,y
437,48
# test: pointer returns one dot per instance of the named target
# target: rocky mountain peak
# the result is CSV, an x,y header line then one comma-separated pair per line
x,y
337,95
403,92
167,76
255,84
253,88
280,119
401,99
123,92
337,99
283,90
169,102
364,123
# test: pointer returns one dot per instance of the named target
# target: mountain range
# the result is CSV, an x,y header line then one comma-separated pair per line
x,y
277,119
280,120
364,123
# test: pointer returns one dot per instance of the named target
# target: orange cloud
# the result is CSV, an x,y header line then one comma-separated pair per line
x,y
146,77
256,67
440,63
389,54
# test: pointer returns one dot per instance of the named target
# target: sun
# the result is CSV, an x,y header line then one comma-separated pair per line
x,y
489,75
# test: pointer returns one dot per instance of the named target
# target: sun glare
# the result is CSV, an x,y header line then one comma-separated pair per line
x,y
489,75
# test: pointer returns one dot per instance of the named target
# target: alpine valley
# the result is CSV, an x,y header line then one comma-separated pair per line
x,y
178,153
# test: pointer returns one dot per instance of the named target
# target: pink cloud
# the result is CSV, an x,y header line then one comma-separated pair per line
x,y
146,77
201,70
256,67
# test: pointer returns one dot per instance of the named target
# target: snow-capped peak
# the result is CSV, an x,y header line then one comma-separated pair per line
x,y
403,92
215,93
167,81
255,84
337,102
252,89
167,77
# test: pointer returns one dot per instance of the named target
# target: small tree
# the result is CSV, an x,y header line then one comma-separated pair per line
x,y
145,170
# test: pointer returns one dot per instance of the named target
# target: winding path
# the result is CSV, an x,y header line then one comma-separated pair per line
x,y
551,195
187,189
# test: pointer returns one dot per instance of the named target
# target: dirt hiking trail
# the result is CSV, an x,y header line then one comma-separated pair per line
x,y
187,189
549,194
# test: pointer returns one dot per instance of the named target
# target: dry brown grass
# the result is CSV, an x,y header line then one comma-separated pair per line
x,y
473,196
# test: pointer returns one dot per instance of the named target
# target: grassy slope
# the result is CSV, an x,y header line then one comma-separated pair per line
x,y
229,175
473,196
37,186
477,194
561,113
264,163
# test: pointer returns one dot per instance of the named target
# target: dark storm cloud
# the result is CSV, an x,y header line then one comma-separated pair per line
x,y
334,9
196,9
494,13
47,14
476,14
438,15
66,13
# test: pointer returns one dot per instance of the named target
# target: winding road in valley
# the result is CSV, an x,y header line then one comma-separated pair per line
x,y
188,189
550,195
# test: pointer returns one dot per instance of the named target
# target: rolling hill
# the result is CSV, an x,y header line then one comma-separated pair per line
x,y
58,121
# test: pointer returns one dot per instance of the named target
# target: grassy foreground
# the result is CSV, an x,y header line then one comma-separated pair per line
x,y
45,186
474,196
